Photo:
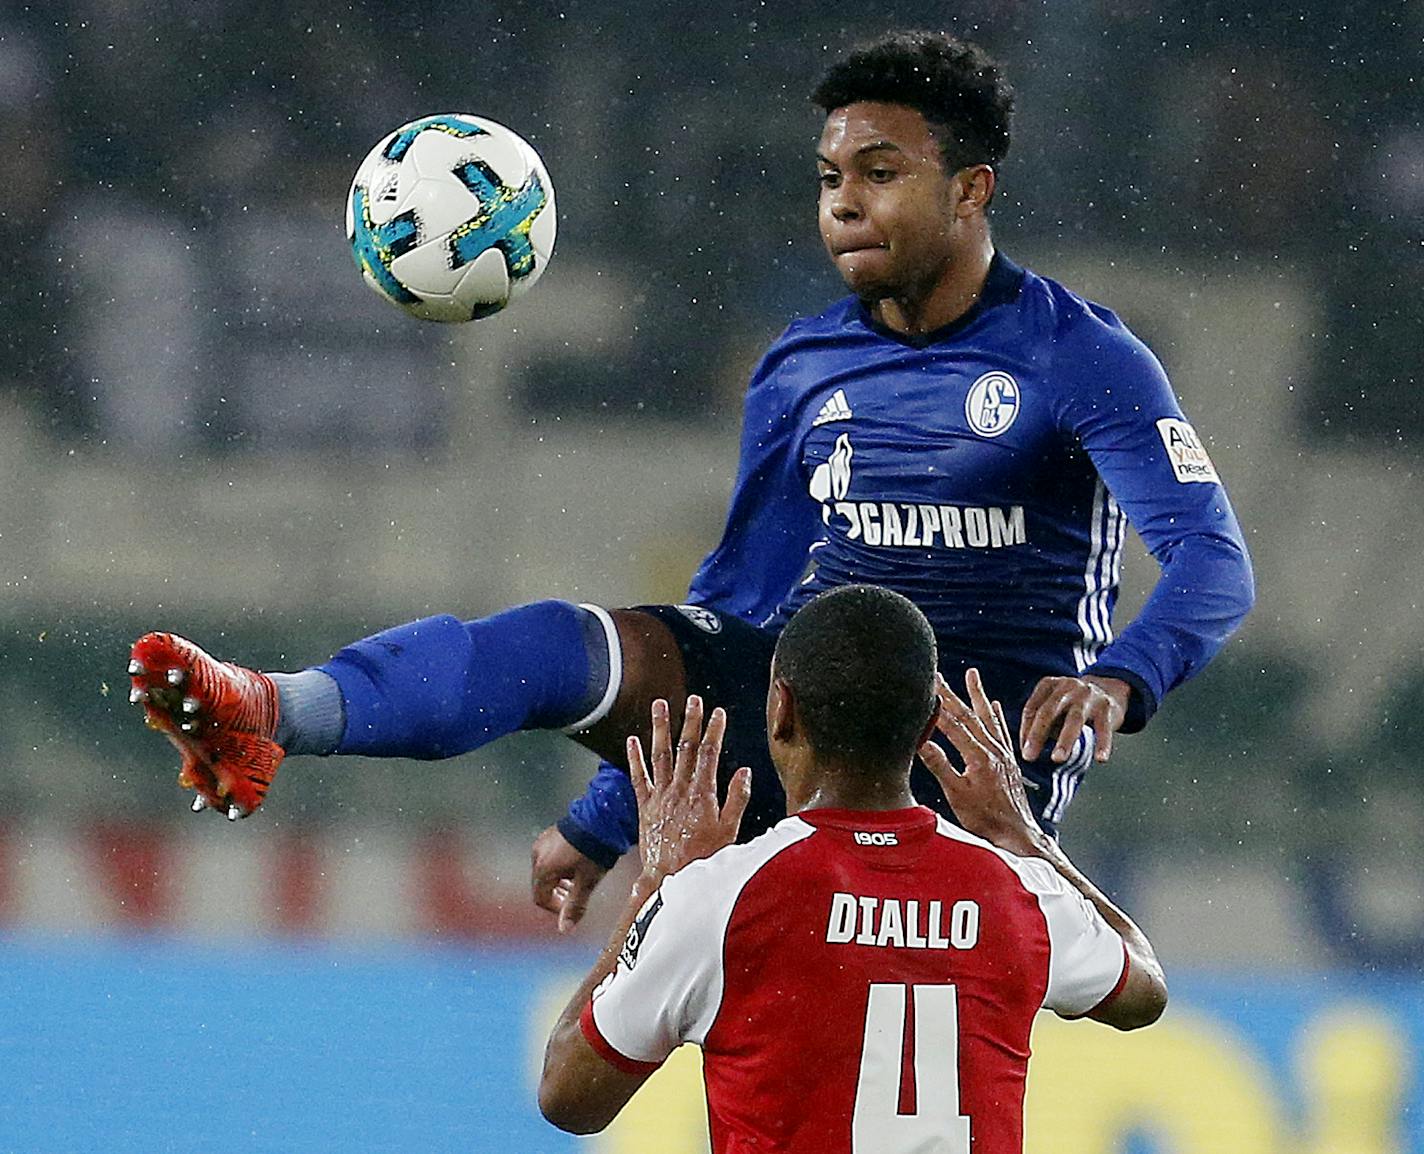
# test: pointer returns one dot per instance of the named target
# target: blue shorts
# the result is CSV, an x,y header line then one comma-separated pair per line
x,y
728,663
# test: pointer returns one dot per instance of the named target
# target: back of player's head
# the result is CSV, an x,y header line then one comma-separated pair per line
x,y
860,662
954,84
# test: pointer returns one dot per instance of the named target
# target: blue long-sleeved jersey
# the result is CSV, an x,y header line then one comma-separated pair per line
x,y
988,472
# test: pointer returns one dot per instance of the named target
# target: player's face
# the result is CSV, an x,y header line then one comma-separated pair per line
x,y
887,206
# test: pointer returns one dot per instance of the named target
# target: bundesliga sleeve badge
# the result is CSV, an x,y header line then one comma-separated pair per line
x,y
628,955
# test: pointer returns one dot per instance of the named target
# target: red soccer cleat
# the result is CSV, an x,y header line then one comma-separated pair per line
x,y
221,717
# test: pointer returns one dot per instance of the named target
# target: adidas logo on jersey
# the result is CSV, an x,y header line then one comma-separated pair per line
x,y
835,409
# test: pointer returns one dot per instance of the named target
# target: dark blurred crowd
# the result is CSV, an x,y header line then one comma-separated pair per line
x,y
172,179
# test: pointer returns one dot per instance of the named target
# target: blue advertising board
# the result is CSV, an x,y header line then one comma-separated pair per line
x,y
157,1045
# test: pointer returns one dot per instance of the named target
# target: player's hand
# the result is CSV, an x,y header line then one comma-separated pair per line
x,y
679,819
1068,705
988,798
562,878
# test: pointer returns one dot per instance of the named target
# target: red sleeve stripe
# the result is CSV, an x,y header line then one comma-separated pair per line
x,y
1111,994
604,1049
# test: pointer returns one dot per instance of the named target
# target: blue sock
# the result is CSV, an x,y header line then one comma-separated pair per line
x,y
310,715
440,686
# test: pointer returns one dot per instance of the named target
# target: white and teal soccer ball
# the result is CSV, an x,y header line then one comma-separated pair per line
x,y
451,217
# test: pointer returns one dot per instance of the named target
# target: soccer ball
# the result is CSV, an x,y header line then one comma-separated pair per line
x,y
451,217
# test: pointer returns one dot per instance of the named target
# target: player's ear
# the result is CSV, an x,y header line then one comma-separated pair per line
x,y
929,729
781,711
976,189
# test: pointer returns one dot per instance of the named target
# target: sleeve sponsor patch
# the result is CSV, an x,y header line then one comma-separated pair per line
x,y
638,931
1185,452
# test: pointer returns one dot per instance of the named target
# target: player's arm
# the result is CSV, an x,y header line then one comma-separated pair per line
x,y
772,521
581,1089
586,1080
1141,995
989,800
1121,407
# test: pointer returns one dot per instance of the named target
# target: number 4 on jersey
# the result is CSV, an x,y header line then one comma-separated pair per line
x,y
936,1126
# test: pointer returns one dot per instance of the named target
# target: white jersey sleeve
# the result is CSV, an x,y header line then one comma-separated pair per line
x,y
667,986
1087,957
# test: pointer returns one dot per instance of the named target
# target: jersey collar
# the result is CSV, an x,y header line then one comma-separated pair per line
x,y
869,819
1001,285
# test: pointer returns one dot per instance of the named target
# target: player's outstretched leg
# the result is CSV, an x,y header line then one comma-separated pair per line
x,y
221,717
432,688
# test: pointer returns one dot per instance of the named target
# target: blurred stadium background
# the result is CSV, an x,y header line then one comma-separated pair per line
x,y
208,424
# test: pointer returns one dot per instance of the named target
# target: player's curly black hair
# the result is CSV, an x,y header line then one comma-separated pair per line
x,y
953,83
860,661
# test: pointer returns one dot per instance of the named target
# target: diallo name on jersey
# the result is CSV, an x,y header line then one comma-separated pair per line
x,y
870,921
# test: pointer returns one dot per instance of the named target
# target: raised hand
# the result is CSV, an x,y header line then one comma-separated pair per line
x,y
988,797
679,819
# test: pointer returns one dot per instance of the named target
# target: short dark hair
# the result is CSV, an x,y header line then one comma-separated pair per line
x,y
860,661
954,84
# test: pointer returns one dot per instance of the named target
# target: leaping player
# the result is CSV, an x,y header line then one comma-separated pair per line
x,y
958,429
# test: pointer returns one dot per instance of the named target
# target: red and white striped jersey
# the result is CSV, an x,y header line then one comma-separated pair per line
x,y
858,982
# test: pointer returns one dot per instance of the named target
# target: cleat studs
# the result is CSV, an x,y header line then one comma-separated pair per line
x,y
137,696
174,677
233,813
200,803
136,668
190,705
